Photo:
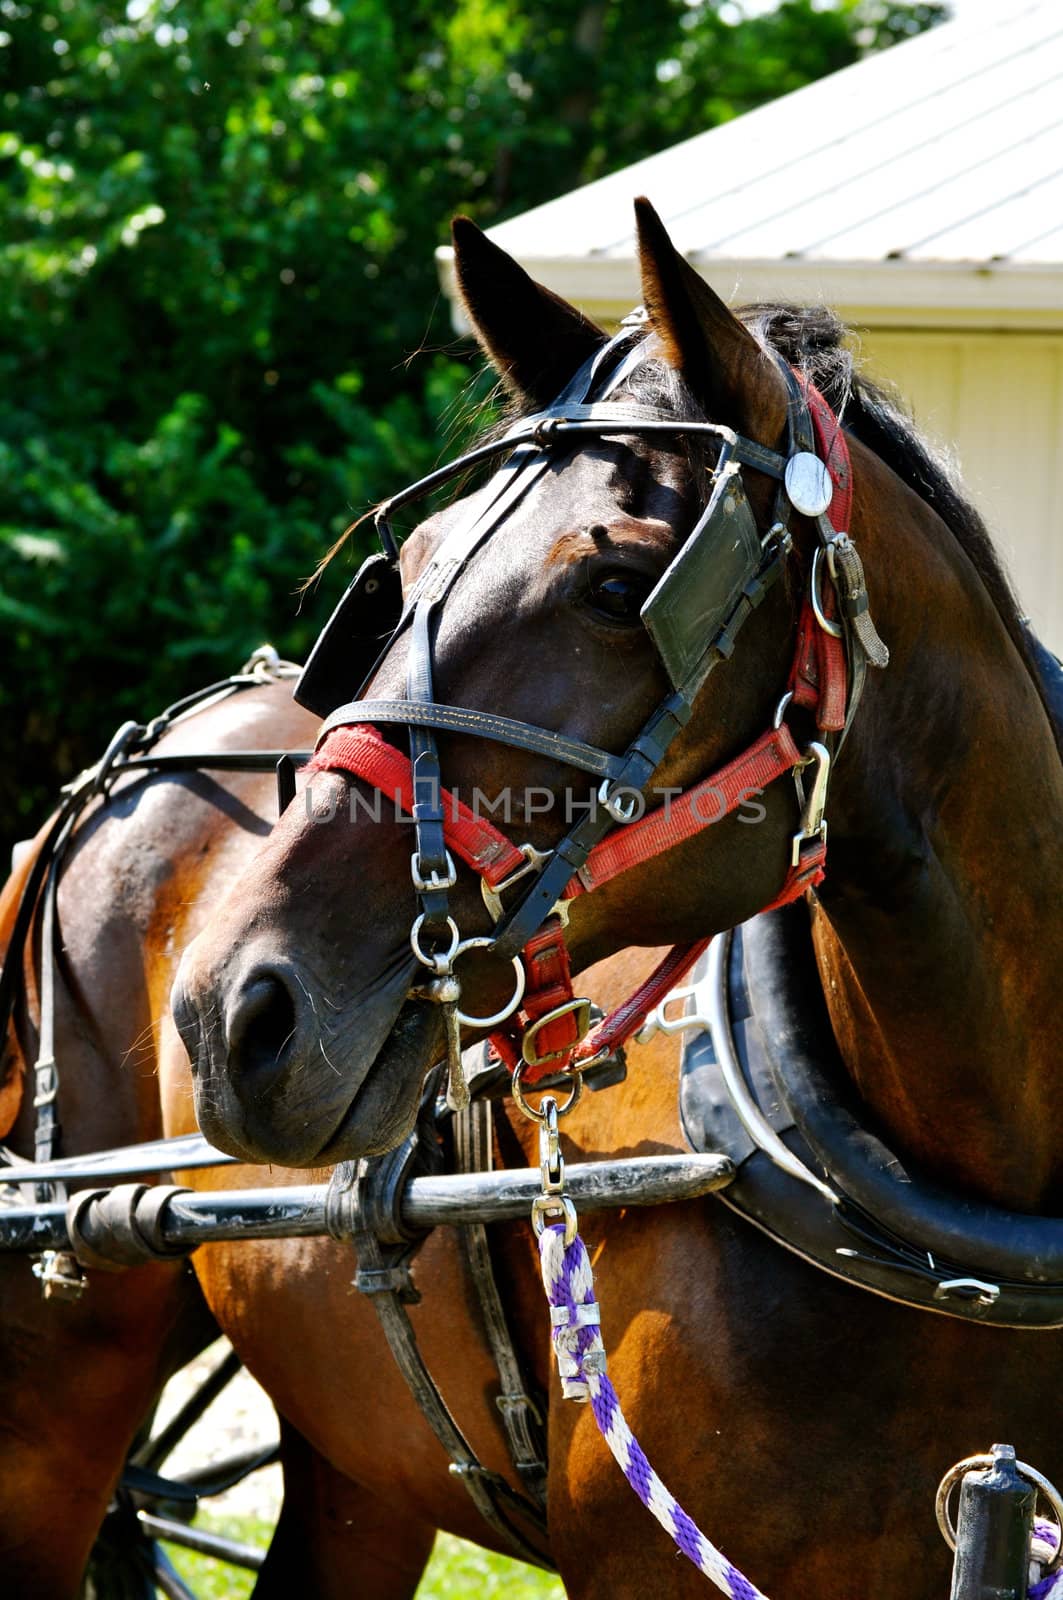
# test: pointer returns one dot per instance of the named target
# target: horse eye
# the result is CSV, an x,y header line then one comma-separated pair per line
x,y
618,596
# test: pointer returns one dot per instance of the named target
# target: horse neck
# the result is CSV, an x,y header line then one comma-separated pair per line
x,y
938,934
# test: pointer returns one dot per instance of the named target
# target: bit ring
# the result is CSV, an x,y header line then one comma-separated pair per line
x,y
438,961
484,942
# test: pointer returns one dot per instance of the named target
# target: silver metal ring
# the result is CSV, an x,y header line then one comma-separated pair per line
x,y
969,1464
438,961
484,942
826,623
540,1116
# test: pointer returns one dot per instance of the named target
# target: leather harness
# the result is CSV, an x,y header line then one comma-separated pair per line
x,y
721,574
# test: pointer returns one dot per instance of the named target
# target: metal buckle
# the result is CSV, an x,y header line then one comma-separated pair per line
x,y
580,1008
534,861
434,880
514,1404
813,823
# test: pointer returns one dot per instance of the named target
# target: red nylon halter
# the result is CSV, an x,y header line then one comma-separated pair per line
x,y
817,681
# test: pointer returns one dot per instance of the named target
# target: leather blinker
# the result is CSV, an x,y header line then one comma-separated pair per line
x,y
697,595
351,642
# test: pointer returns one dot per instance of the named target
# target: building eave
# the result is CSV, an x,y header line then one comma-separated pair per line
x,y
886,293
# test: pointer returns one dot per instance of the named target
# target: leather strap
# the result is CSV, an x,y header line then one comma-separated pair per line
x,y
521,1417
484,724
364,753
384,1275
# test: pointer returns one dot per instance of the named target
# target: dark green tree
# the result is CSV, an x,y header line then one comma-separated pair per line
x,y
217,222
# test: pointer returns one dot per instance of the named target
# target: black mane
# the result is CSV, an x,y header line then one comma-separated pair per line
x,y
812,339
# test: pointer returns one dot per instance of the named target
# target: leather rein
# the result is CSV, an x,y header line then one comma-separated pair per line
x,y
545,1029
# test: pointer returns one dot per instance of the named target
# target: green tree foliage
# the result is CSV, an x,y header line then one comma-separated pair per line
x,y
217,220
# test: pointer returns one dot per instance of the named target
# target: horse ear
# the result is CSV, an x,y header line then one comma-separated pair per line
x,y
725,368
533,338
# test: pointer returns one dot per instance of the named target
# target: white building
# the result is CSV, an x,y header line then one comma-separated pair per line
x,y
919,193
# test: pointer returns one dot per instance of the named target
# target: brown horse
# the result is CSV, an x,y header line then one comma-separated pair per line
x,y
366,1483
936,937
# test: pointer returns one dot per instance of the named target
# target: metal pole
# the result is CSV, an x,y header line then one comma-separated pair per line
x,y
187,1219
993,1532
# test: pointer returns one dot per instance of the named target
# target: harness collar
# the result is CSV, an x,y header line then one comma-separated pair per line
x,y
762,1082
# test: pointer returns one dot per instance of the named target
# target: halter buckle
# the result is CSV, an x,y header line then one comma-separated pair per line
x,y
579,1008
434,880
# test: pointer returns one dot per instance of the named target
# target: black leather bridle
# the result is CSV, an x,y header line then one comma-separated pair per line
x,y
694,614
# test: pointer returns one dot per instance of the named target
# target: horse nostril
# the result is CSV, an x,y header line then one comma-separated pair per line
x,y
261,1024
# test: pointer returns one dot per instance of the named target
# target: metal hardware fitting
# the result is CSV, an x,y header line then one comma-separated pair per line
x,y
985,1463
983,1294
780,709
580,1008
438,961
434,880
813,822
576,1080
484,942
615,806
552,1203
709,1014
658,1020
534,861
551,1161
809,485
826,623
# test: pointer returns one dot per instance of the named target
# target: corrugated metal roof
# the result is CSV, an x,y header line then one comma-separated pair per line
x,y
945,149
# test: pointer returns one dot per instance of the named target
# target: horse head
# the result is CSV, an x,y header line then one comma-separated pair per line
x,y
303,1005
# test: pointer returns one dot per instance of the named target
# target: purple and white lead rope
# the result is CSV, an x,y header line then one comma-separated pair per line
x,y
580,1354
1043,1546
